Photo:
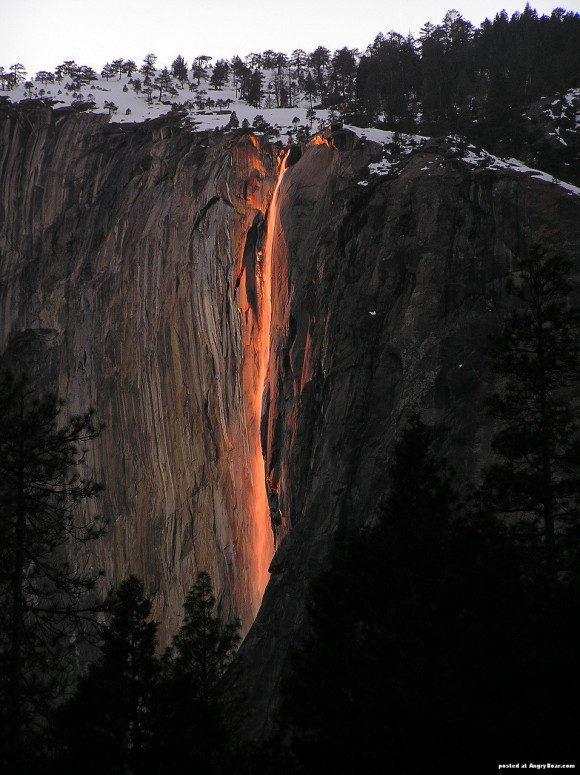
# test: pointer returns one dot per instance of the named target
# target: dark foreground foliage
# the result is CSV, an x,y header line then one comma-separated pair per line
x,y
134,712
427,644
108,723
45,600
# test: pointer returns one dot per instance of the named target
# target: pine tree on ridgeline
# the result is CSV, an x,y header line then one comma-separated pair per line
x,y
179,69
163,82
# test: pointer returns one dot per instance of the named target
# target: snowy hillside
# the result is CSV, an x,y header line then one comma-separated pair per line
x,y
204,108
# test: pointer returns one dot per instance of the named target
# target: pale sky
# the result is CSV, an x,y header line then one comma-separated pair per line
x,y
43,33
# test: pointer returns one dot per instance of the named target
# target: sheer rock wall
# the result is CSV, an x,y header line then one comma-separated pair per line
x,y
134,277
387,293
124,285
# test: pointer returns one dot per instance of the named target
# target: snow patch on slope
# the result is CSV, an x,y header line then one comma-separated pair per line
x,y
478,157
205,108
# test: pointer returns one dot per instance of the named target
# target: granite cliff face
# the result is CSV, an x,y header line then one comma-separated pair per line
x,y
131,282
385,292
135,269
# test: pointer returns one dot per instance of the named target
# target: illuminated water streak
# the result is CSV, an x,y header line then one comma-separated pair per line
x,y
257,349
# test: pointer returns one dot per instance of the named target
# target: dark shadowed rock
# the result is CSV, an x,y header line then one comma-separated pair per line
x,y
385,291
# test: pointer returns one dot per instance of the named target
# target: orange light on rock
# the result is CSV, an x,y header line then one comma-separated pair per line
x,y
256,333
320,139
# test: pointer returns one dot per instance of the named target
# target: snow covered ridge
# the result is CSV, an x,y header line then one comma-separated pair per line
x,y
205,108
397,146
478,157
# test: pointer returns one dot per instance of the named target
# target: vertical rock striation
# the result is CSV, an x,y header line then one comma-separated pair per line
x,y
130,280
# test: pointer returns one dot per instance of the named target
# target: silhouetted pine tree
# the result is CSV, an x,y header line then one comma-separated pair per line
x,y
536,478
195,709
43,600
179,69
425,643
106,727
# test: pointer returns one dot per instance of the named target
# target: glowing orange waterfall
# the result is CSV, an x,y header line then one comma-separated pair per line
x,y
257,348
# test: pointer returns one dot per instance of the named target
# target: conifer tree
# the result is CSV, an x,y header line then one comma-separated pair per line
x,y
537,354
108,723
179,69
198,682
220,74
43,604
147,69
117,66
129,67
19,72
163,81
204,645
414,644
108,71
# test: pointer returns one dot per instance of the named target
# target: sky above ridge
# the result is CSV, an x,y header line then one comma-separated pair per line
x,y
42,34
